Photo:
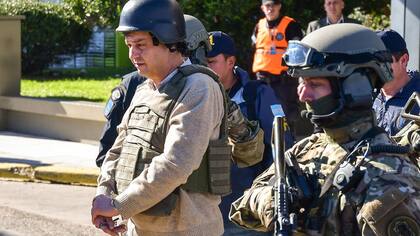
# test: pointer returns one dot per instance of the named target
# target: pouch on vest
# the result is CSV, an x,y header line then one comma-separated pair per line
x,y
213,175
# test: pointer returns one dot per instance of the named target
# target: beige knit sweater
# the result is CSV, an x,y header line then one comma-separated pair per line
x,y
195,120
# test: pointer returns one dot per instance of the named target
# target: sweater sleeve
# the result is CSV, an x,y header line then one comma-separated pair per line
x,y
194,121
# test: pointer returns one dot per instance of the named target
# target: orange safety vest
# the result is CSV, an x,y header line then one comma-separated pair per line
x,y
270,47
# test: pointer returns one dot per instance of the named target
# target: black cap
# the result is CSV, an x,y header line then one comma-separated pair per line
x,y
221,43
270,1
392,40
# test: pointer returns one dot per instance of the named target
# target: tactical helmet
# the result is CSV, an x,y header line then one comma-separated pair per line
x,y
351,53
197,40
337,51
163,18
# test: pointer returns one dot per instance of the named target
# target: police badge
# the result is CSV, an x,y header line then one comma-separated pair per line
x,y
279,36
116,95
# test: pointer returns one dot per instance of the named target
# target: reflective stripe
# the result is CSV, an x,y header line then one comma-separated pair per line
x,y
269,52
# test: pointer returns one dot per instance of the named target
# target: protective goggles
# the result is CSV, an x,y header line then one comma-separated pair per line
x,y
301,55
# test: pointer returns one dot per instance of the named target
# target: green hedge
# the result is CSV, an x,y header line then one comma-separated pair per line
x,y
47,31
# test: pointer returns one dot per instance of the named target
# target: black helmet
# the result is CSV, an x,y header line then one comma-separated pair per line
x,y
163,18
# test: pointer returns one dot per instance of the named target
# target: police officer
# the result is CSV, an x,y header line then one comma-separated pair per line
x,y
157,173
269,39
363,184
117,104
254,98
394,94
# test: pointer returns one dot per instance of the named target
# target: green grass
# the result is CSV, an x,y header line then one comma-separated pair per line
x,y
74,89
92,84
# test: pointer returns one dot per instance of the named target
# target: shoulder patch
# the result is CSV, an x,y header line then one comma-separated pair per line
x,y
279,36
116,94
403,225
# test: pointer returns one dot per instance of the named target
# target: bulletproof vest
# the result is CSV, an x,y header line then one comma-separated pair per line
x,y
146,132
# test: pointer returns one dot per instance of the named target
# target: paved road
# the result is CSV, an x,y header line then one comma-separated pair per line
x,y
45,209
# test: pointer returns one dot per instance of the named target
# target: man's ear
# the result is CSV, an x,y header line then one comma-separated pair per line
x,y
404,59
231,60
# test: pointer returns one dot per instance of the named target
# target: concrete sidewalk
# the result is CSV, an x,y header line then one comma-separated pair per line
x,y
37,158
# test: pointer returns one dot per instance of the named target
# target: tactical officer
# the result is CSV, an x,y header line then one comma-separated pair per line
x,y
362,183
246,136
172,139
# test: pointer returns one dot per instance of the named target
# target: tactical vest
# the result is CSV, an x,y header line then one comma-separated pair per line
x,y
146,133
270,47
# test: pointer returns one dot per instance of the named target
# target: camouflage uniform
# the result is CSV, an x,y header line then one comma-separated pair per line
x,y
409,135
362,182
385,202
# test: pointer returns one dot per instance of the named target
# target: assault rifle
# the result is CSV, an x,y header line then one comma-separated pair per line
x,y
284,222
410,134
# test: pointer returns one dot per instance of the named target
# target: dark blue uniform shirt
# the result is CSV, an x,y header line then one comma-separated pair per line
x,y
388,112
241,178
115,108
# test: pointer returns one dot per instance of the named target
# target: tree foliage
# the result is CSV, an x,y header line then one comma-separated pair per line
x,y
235,17
47,30
238,18
97,12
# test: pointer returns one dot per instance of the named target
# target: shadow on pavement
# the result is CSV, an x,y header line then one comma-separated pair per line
x,y
22,161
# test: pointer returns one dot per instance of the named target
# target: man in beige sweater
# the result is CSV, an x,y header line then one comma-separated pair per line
x,y
157,174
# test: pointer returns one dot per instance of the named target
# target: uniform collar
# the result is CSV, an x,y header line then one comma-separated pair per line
x,y
273,23
241,77
351,132
412,85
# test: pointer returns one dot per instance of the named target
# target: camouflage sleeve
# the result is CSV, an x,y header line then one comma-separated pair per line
x,y
410,136
392,202
246,137
255,209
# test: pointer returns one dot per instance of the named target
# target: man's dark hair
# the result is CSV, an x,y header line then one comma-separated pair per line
x,y
398,55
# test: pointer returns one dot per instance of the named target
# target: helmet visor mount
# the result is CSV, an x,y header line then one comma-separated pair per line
x,y
305,61
300,55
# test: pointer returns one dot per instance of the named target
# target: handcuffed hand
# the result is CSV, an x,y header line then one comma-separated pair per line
x,y
102,212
